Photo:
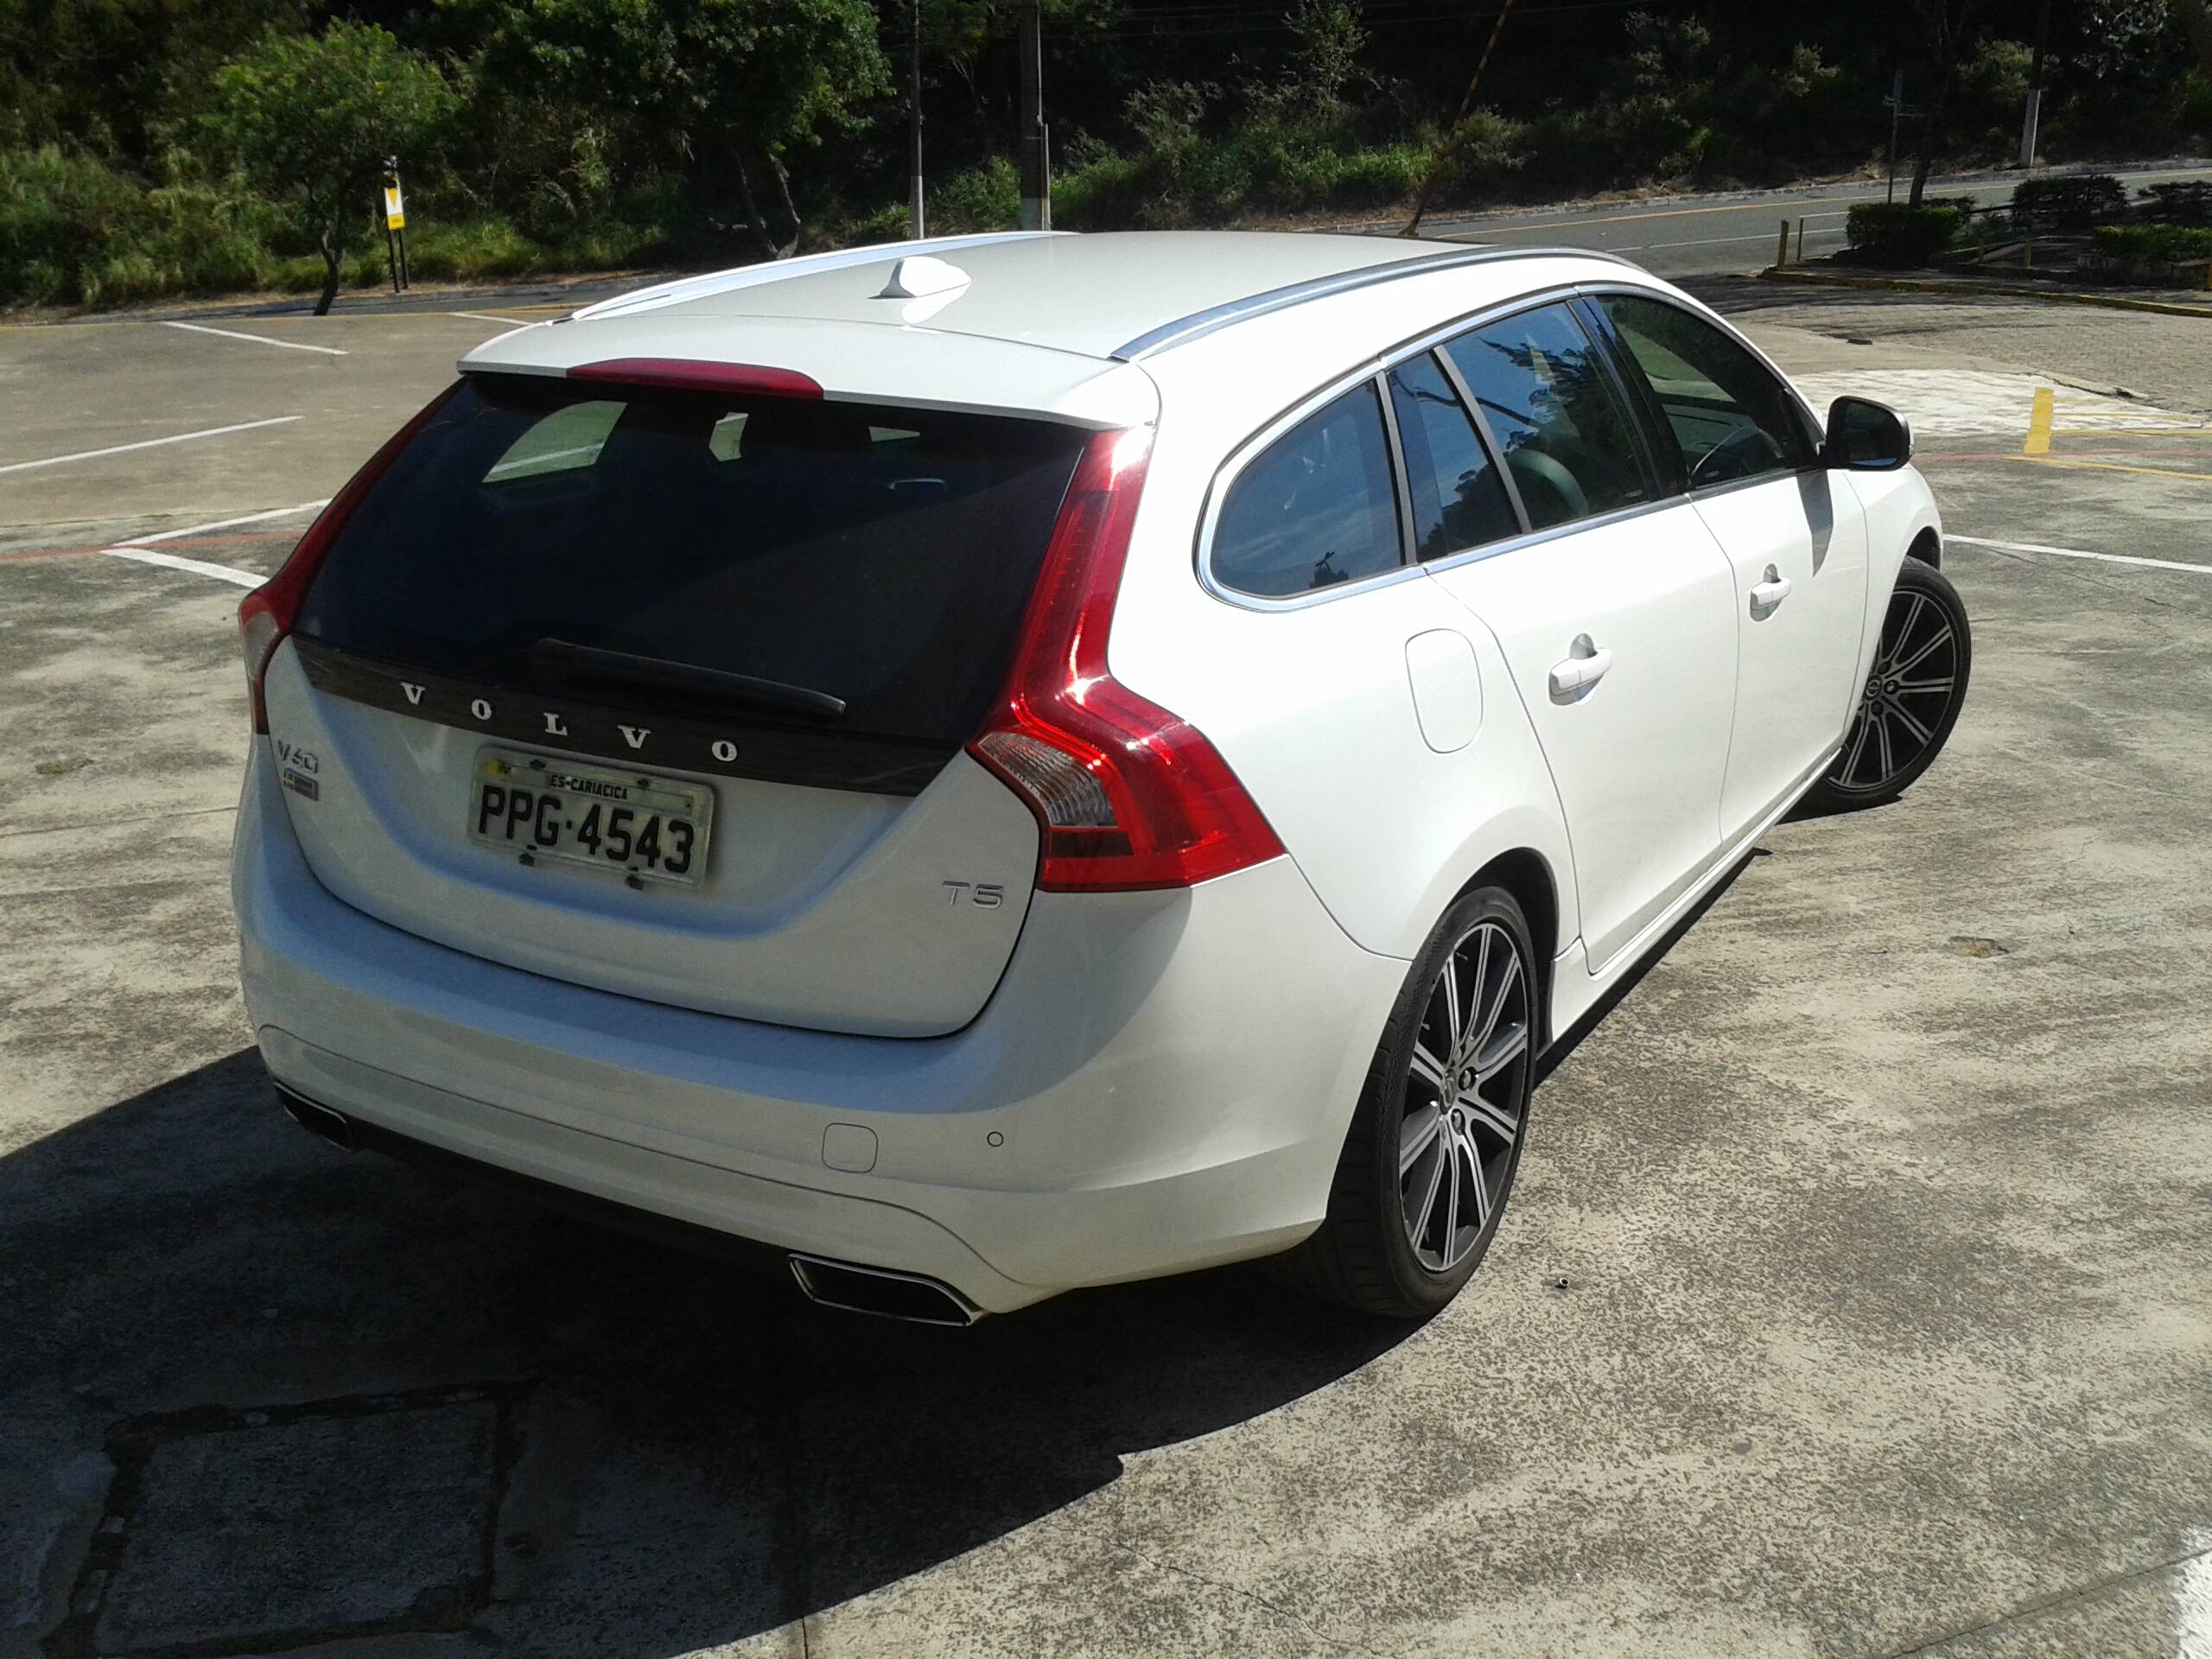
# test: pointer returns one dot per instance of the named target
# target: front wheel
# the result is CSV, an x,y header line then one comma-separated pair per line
x,y
1913,695
1434,1144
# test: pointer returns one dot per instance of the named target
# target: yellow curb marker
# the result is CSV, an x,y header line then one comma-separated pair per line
x,y
2038,442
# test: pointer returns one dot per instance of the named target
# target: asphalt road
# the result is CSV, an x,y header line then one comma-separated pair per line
x,y
1696,236
1853,1303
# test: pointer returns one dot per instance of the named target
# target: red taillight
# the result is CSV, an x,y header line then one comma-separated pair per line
x,y
265,615
692,374
1127,794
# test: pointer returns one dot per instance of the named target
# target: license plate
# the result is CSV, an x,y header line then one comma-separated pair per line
x,y
652,828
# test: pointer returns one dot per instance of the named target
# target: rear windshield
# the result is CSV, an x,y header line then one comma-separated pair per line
x,y
882,555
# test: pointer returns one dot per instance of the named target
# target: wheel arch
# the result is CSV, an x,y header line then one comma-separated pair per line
x,y
1527,874
1928,548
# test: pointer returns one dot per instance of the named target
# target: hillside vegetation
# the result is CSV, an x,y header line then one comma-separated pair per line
x,y
150,147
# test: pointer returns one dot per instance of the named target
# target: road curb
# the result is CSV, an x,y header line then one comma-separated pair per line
x,y
1940,285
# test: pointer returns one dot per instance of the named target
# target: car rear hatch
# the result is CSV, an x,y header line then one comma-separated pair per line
x,y
664,689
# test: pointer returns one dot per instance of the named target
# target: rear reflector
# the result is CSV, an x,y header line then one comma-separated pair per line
x,y
1128,795
687,374
266,614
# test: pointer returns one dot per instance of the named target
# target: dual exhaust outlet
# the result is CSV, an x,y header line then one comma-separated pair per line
x,y
846,1286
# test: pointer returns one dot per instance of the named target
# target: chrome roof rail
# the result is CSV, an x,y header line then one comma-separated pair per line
x,y
1216,317
775,270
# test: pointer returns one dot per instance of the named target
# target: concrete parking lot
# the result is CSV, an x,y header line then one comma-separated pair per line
x,y
1857,1298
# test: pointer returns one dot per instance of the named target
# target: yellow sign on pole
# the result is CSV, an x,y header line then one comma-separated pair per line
x,y
394,206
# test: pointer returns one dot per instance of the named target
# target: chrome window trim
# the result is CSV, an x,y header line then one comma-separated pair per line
x,y
1573,527
1215,318
1377,369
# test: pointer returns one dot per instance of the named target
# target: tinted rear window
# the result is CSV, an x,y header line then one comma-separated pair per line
x,y
882,555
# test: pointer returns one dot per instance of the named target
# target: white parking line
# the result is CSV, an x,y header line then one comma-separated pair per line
x,y
225,524
2076,553
140,552
258,340
479,316
146,443
197,566
2193,1600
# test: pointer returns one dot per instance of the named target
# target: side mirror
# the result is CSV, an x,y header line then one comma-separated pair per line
x,y
1865,436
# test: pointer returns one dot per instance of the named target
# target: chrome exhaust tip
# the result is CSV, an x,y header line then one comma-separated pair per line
x,y
319,1121
907,1296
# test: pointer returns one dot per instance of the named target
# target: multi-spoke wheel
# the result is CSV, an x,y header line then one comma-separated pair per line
x,y
1913,695
1433,1146
1461,1123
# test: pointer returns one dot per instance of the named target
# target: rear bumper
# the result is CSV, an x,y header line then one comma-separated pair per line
x,y
1162,1081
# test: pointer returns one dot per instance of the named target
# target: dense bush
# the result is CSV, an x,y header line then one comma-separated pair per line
x,y
2179,204
1896,233
73,230
2153,244
2069,202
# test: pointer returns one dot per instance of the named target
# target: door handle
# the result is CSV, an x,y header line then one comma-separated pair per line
x,y
1768,595
1586,663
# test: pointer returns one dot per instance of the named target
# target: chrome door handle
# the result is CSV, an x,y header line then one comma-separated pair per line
x,y
1586,663
1769,594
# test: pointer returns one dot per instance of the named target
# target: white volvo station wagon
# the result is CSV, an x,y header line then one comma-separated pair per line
x,y
1015,762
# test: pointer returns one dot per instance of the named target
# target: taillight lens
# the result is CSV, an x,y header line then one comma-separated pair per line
x,y
1128,795
266,614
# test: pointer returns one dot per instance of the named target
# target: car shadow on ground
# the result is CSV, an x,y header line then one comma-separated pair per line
x,y
687,1454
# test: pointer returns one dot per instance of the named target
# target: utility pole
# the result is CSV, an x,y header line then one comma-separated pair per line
x,y
915,227
1035,155
1897,114
2028,128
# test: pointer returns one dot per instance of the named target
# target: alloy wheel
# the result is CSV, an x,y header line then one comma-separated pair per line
x,y
1466,1091
1901,712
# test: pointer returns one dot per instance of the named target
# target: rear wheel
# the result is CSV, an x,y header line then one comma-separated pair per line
x,y
1434,1145
1912,696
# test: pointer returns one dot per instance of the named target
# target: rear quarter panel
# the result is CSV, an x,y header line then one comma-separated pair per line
x,y
1312,706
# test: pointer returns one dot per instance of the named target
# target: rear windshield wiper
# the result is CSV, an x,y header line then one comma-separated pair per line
x,y
591,663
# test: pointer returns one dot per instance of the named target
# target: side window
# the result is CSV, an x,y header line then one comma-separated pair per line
x,y
1460,501
1730,416
1544,388
1315,508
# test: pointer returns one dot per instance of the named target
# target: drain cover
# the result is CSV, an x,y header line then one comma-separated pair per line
x,y
347,1519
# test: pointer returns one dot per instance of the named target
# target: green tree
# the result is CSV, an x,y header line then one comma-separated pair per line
x,y
2196,22
1947,27
734,89
310,119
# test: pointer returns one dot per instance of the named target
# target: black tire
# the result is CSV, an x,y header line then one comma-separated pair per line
x,y
1470,1130
1912,698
